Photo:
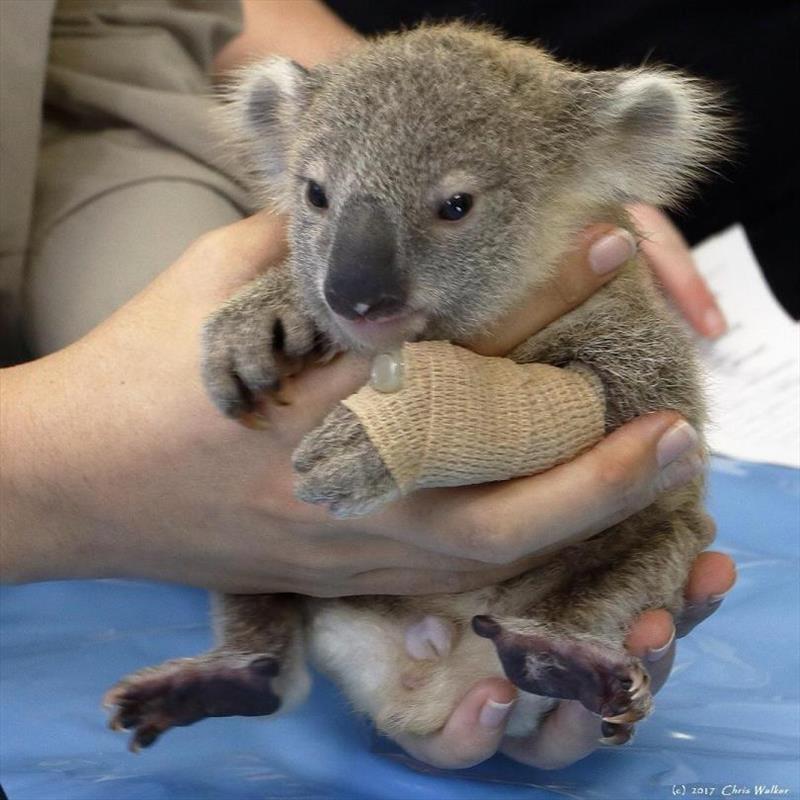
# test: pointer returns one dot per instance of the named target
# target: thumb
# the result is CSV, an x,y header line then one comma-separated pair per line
x,y
310,395
594,260
472,733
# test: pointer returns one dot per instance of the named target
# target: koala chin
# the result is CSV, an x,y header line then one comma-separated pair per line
x,y
432,179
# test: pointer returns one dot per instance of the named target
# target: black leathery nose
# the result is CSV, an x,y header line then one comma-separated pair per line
x,y
363,278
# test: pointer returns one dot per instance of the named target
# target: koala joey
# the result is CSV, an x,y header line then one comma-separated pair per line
x,y
432,179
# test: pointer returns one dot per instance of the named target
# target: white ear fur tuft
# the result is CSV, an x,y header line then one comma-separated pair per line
x,y
659,131
649,103
286,75
260,113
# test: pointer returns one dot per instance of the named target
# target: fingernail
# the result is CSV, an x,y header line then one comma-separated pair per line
x,y
700,609
714,323
657,653
680,472
706,602
494,714
611,251
718,598
678,439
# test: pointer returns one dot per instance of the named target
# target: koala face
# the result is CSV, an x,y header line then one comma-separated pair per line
x,y
434,176
396,217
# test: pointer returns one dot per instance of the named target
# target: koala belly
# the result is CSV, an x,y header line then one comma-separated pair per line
x,y
406,672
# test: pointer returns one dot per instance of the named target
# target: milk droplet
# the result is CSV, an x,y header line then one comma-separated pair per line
x,y
387,372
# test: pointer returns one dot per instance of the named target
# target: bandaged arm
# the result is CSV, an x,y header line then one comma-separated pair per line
x,y
444,416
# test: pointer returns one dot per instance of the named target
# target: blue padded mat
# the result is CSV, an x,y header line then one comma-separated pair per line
x,y
728,717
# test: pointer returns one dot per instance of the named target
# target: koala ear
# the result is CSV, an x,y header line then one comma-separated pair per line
x,y
262,111
657,133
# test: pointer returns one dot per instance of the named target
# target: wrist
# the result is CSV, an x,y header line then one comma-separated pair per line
x,y
45,532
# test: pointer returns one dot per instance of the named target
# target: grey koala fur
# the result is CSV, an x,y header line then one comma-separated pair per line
x,y
544,148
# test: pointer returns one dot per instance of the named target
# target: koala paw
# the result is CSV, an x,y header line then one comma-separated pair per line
x,y
247,345
338,466
608,682
186,690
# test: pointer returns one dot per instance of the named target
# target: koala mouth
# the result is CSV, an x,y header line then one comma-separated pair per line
x,y
380,319
380,332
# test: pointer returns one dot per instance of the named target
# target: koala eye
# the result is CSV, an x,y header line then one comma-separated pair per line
x,y
316,195
456,207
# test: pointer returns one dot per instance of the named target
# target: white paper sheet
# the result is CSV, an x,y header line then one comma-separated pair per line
x,y
754,368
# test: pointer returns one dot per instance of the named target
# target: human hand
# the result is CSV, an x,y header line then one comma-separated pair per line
x,y
475,730
117,464
584,270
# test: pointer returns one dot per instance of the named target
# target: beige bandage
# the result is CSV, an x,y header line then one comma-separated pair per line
x,y
460,418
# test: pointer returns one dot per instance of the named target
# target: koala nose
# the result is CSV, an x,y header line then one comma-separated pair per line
x,y
363,279
350,300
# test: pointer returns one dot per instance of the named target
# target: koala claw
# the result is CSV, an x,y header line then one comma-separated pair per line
x,y
338,466
247,347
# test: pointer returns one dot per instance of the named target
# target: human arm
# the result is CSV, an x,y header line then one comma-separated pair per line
x,y
306,31
116,464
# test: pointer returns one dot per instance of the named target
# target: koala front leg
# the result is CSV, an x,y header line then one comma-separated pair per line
x,y
338,466
257,668
455,418
252,340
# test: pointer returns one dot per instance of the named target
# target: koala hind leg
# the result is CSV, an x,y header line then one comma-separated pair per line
x,y
257,668
570,644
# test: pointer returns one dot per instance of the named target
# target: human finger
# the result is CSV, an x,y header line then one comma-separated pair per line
x,y
569,733
503,522
673,264
222,260
472,733
652,636
599,252
572,732
308,397
713,575
254,242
